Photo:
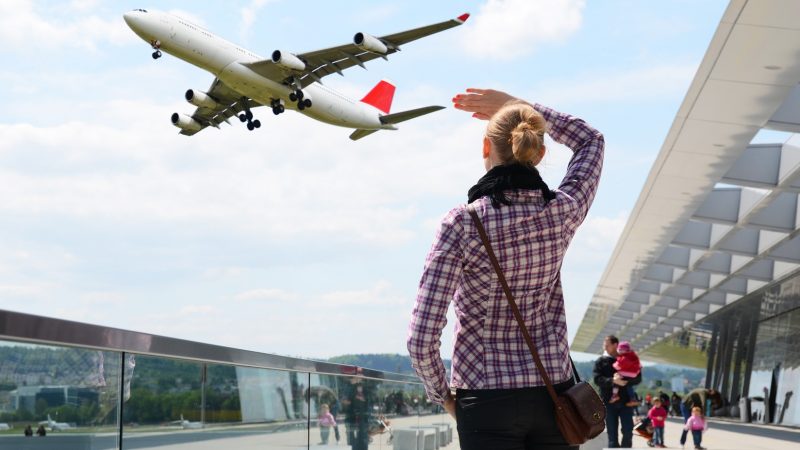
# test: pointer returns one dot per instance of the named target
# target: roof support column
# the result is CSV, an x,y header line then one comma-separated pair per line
x,y
712,353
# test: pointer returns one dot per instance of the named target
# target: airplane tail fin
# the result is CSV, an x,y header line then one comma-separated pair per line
x,y
380,96
391,119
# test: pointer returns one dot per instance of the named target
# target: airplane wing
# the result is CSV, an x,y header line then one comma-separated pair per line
x,y
321,63
228,105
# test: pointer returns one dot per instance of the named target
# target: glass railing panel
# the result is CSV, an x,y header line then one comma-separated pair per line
x,y
55,397
189,404
273,408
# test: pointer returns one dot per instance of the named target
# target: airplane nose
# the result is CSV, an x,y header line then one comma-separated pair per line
x,y
130,18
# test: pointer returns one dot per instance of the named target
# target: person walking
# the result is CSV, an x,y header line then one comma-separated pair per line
x,y
618,414
658,417
500,397
697,399
697,424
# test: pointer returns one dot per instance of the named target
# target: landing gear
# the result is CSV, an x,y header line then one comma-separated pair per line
x,y
277,107
156,46
299,97
247,116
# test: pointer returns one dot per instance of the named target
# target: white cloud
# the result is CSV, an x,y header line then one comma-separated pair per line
x,y
378,295
24,27
262,295
249,14
506,29
643,83
197,310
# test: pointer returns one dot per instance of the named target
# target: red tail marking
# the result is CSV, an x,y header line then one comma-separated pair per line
x,y
463,18
380,96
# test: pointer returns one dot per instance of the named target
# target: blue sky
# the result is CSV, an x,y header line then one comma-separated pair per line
x,y
293,239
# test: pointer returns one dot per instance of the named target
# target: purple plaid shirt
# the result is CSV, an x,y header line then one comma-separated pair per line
x,y
530,239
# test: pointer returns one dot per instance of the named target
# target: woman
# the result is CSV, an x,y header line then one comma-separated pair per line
x,y
500,400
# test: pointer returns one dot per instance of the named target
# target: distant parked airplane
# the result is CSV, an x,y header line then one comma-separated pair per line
x,y
4,427
245,80
186,425
55,426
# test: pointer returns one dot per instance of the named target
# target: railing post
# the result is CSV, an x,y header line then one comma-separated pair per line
x,y
120,399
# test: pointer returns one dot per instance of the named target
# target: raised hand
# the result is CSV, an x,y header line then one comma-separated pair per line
x,y
483,103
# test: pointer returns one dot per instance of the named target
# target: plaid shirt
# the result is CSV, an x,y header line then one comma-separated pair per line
x,y
530,239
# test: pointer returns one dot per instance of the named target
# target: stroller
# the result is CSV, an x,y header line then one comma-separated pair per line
x,y
644,428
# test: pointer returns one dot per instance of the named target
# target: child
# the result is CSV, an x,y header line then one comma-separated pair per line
x,y
628,366
326,422
658,415
697,425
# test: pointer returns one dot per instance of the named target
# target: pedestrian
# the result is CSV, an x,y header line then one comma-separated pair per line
x,y
658,417
697,399
697,425
501,401
675,404
326,422
28,431
619,416
41,432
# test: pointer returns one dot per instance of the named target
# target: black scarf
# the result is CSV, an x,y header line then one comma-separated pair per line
x,y
509,177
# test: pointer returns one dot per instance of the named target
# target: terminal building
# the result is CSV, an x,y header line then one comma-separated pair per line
x,y
706,272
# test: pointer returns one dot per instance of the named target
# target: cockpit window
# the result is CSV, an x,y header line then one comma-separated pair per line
x,y
142,10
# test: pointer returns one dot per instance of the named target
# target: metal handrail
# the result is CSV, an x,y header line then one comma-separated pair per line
x,y
30,328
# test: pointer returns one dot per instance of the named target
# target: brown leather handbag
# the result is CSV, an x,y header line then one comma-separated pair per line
x,y
580,413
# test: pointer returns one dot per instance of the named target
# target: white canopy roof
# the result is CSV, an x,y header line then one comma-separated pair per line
x,y
718,218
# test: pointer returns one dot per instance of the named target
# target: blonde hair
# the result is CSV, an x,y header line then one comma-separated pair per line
x,y
698,409
516,131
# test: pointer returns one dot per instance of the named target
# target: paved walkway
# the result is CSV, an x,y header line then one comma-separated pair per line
x,y
721,435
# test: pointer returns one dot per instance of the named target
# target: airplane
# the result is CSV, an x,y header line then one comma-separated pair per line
x,y
187,425
55,426
4,426
244,80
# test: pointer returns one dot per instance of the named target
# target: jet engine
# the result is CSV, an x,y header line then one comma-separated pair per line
x,y
200,99
288,60
370,43
185,122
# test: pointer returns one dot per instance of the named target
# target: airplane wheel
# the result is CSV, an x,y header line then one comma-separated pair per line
x,y
242,118
276,111
257,123
292,97
299,94
301,106
248,115
156,54
250,126
307,103
281,109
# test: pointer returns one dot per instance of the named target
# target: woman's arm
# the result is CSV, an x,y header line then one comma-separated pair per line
x,y
442,271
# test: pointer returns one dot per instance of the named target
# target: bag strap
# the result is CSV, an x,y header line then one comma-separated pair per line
x,y
514,308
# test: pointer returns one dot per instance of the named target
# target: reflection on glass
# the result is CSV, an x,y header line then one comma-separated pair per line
x,y
68,396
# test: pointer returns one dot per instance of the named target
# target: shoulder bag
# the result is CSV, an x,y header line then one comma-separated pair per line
x,y
580,413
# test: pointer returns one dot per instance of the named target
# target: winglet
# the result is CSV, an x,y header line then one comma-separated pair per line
x,y
380,96
463,18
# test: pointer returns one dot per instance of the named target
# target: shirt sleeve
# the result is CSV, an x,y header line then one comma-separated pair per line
x,y
443,268
587,145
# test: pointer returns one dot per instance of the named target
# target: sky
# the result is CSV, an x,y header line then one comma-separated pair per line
x,y
292,239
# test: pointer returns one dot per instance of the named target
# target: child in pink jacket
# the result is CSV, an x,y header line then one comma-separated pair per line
x,y
697,425
326,422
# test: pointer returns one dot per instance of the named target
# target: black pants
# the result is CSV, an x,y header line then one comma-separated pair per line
x,y
509,419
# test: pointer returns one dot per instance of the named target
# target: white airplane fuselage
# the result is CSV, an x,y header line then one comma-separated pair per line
x,y
224,60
